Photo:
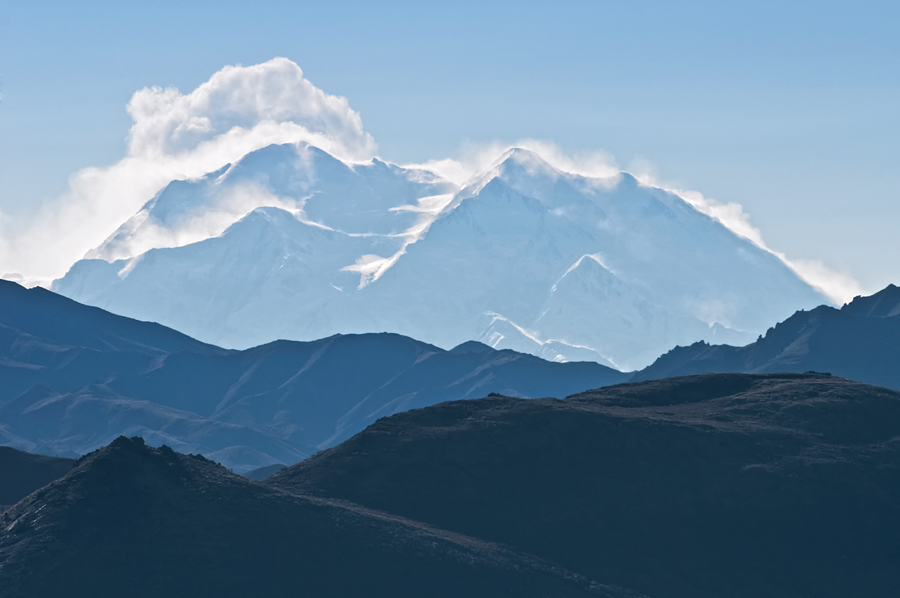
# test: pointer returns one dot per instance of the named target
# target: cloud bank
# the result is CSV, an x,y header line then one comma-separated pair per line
x,y
178,136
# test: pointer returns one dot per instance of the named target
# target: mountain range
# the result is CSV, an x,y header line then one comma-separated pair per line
x,y
76,377
290,242
783,485
860,341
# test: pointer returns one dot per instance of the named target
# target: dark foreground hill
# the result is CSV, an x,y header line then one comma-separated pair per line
x,y
725,485
75,377
130,520
22,473
860,341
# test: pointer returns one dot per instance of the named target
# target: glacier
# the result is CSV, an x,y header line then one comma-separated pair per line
x,y
292,243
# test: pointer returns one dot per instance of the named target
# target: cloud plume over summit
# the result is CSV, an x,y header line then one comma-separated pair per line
x,y
241,109
176,135
245,106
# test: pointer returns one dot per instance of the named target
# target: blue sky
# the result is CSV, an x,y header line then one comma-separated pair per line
x,y
790,109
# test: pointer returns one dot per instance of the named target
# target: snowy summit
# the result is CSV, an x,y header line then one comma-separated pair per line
x,y
291,242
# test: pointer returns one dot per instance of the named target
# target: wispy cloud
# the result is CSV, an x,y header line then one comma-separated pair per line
x,y
176,135
143,232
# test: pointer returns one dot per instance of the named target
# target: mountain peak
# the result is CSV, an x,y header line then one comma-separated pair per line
x,y
883,304
405,254
134,451
472,347
522,162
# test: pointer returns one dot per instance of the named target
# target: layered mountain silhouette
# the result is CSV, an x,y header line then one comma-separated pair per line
x,y
130,520
22,473
860,341
290,242
696,487
76,377
702,486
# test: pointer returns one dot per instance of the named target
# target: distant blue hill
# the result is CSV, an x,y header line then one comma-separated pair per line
x,y
860,341
76,377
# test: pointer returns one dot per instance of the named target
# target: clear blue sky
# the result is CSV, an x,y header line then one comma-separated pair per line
x,y
790,108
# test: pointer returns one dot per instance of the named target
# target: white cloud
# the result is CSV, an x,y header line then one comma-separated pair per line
x,y
241,109
839,286
235,102
175,135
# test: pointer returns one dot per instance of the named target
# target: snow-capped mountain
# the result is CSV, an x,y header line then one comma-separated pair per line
x,y
290,242
362,199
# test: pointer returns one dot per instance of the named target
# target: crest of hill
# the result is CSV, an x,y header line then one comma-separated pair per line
x,y
860,341
714,485
130,520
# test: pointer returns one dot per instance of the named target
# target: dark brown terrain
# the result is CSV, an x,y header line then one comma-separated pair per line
x,y
130,520
22,473
783,485
708,486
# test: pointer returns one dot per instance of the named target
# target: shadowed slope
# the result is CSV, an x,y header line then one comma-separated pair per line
x,y
130,520
22,473
704,486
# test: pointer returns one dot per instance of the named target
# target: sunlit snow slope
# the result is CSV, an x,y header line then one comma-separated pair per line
x,y
292,243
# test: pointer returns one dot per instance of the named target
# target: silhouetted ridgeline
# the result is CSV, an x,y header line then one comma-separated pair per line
x,y
860,341
697,487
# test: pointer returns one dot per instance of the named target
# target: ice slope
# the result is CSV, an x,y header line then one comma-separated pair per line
x,y
358,198
523,256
